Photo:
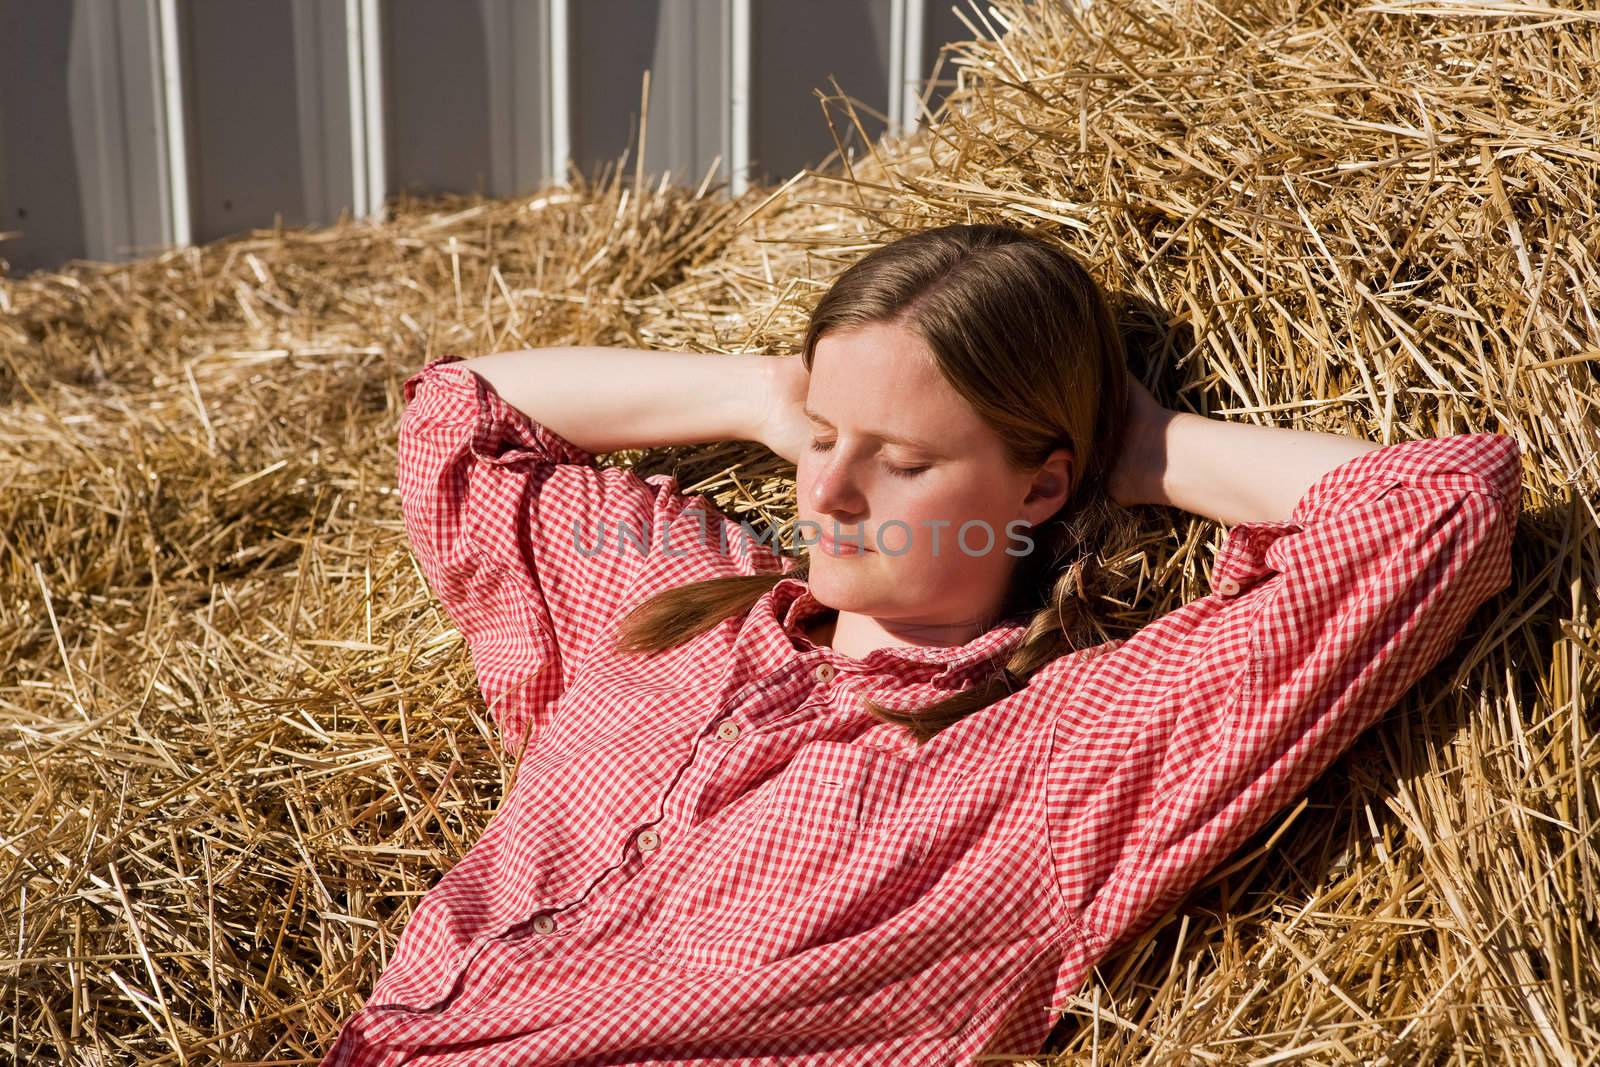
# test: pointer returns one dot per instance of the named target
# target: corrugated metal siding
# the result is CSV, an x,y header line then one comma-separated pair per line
x,y
130,125
80,133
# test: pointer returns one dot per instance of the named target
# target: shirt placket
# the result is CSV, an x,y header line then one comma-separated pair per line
x,y
809,682
803,689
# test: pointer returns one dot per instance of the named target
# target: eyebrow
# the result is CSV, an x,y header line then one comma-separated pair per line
x,y
893,439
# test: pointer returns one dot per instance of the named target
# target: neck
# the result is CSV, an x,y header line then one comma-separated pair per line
x,y
855,635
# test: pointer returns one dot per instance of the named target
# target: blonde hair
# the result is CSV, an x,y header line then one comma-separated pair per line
x,y
1021,330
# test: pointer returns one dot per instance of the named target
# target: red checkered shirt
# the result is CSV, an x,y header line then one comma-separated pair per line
x,y
713,854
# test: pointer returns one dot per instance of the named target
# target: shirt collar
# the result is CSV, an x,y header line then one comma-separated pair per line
x,y
792,603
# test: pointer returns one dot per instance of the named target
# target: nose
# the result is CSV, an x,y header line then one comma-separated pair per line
x,y
834,493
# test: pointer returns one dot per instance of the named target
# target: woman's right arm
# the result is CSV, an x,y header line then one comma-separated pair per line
x,y
604,399
535,549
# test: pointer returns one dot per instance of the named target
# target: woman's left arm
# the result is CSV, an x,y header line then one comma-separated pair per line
x,y
1182,740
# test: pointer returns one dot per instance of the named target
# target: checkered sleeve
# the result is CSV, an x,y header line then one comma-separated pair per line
x,y
534,549
1225,709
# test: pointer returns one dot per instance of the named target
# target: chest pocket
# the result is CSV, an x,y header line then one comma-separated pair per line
x,y
814,855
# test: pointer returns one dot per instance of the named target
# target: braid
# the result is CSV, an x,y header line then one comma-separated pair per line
x,y
1074,582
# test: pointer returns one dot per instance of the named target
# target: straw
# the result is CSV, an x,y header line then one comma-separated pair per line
x,y
239,739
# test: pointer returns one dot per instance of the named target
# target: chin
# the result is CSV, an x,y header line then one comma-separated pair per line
x,y
836,583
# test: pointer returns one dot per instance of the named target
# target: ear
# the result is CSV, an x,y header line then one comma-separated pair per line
x,y
1048,490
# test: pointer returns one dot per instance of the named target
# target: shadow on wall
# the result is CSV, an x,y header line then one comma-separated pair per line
x,y
438,125
795,48
40,187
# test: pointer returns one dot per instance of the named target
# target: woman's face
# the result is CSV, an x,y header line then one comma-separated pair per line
x,y
898,462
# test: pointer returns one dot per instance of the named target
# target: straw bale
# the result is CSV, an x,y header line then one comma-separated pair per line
x,y
238,740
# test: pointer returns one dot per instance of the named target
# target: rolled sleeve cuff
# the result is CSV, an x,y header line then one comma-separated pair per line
x,y
1479,462
1470,462
501,433
1247,555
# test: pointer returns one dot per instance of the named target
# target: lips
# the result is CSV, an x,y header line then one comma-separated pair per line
x,y
849,547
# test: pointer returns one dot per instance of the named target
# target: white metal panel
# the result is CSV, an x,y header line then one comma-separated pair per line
x,y
42,188
238,59
321,80
736,44
682,44
517,71
907,73
687,89
940,27
476,95
174,127
795,47
80,173
364,103
558,113
371,101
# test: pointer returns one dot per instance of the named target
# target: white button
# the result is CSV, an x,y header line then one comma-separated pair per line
x,y
825,672
543,924
648,840
727,729
1227,586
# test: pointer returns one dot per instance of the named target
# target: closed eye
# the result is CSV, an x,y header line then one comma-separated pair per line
x,y
899,472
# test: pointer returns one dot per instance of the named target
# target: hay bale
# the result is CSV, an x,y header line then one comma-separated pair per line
x,y
239,740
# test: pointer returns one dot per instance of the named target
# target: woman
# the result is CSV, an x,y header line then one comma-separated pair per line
x,y
882,806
